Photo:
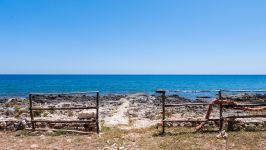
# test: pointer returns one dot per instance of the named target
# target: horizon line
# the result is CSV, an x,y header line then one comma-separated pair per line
x,y
117,74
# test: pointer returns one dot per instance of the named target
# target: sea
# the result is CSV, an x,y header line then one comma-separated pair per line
x,y
22,85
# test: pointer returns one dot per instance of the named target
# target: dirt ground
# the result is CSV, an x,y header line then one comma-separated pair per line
x,y
11,141
150,138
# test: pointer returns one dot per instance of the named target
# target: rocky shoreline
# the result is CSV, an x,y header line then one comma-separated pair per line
x,y
126,111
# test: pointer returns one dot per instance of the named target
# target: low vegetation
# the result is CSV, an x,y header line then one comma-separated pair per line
x,y
149,138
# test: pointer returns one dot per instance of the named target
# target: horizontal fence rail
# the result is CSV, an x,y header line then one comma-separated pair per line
x,y
96,107
221,106
202,91
70,93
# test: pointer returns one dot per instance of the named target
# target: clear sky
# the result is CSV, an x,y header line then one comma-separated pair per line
x,y
133,36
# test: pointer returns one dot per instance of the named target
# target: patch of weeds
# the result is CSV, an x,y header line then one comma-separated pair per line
x,y
51,111
18,111
70,114
25,100
158,133
22,133
158,116
45,114
105,129
57,133
130,122
37,113
17,108
21,111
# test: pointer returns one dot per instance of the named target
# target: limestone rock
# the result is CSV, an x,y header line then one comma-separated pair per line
x,y
58,126
222,135
86,115
65,104
34,146
3,100
2,125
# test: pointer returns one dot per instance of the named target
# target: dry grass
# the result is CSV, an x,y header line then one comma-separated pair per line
x,y
115,138
11,141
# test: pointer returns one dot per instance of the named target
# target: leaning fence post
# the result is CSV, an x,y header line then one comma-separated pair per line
x,y
31,113
221,111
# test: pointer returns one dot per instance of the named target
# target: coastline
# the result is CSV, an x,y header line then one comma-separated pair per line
x,y
129,111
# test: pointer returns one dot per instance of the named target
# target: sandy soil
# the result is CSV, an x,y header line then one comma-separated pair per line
x,y
136,139
9,141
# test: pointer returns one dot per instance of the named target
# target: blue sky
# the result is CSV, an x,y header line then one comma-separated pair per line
x,y
133,37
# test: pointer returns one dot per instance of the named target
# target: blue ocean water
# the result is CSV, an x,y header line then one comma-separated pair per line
x,y
22,85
